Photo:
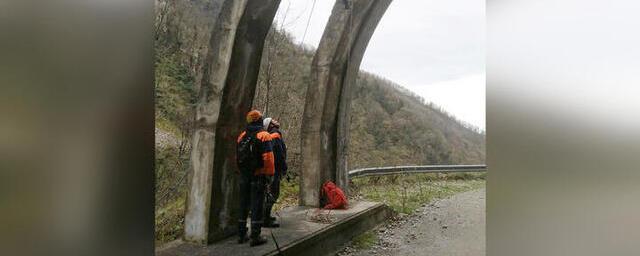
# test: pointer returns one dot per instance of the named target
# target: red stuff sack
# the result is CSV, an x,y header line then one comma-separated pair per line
x,y
334,196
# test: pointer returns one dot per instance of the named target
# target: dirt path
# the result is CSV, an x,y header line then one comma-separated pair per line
x,y
452,226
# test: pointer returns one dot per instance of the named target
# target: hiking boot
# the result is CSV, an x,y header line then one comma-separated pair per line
x,y
257,240
242,232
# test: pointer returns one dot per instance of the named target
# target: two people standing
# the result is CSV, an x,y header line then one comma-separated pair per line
x,y
261,157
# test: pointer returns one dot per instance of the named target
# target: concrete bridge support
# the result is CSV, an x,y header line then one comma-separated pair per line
x,y
228,87
326,116
226,94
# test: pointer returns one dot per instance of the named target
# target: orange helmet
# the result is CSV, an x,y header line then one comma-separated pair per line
x,y
253,116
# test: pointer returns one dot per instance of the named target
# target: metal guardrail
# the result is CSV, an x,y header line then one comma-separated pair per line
x,y
416,169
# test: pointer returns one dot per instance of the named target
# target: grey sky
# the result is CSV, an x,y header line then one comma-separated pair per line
x,y
432,47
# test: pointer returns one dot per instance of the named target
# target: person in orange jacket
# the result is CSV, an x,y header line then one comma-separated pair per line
x,y
280,154
255,163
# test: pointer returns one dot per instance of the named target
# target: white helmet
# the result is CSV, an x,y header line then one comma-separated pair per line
x,y
266,122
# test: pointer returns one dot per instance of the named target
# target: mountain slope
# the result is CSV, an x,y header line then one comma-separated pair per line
x,y
390,125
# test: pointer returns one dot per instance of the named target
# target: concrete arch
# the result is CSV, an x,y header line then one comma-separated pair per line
x,y
326,117
227,91
228,87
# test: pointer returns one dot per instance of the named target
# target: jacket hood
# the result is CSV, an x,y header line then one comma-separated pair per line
x,y
254,127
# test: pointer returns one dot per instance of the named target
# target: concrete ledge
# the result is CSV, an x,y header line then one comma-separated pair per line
x,y
298,234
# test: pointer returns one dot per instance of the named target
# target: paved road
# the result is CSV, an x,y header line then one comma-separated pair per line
x,y
453,226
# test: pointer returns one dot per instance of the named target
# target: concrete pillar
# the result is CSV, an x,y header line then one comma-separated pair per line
x,y
325,126
365,32
237,100
228,86
210,96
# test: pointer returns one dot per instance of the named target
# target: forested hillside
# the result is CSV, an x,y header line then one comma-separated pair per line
x,y
390,125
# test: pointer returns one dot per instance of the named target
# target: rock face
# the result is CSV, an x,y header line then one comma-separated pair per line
x,y
326,115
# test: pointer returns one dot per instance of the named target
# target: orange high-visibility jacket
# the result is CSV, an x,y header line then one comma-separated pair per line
x,y
268,167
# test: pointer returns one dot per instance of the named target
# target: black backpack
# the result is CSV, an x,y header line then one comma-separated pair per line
x,y
248,152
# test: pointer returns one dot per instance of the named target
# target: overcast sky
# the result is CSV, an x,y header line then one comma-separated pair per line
x,y
433,48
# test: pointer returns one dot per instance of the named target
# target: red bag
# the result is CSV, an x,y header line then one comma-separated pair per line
x,y
335,198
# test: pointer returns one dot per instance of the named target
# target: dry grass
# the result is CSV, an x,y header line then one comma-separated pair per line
x,y
406,193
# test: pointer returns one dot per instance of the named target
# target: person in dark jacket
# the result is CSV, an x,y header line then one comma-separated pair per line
x,y
280,155
253,182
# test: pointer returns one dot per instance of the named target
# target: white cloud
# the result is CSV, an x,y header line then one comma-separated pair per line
x,y
418,44
463,97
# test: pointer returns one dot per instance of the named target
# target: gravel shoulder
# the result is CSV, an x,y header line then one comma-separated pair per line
x,y
451,226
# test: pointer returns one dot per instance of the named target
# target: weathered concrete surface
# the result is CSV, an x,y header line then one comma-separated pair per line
x,y
298,234
364,32
237,99
228,86
210,96
326,115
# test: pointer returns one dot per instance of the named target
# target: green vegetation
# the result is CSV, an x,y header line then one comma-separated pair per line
x,y
365,240
171,179
169,220
288,194
405,194
174,87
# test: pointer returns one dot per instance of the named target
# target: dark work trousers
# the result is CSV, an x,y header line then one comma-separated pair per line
x,y
272,197
252,193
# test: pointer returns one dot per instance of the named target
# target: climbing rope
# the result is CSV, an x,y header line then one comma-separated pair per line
x,y
304,35
348,6
276,243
